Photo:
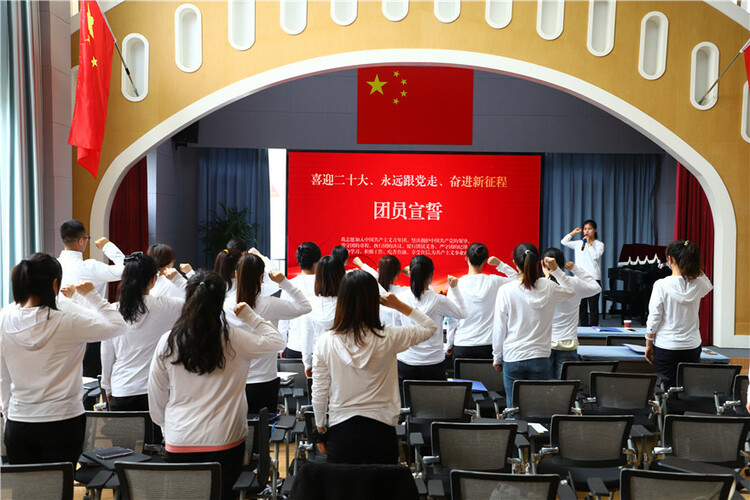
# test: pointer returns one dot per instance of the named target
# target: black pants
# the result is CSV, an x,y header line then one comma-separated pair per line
x,y
136,403
292,354
472,352
416,372
263,395
230,460
588,311
362,440
666,361
45,442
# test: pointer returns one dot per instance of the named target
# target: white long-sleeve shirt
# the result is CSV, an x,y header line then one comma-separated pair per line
x,y
272,309
479,292
318,321
293,330
351,380
523,319
97,272
437,307
387,315
41,351
590,258
673,311
565,320
165,287
126,358
210,409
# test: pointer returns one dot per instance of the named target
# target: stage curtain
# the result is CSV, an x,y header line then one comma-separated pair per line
x,y
128,221
694,221
238,178
617,191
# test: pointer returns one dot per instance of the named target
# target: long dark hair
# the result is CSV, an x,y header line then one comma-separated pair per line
x,y
687,256
328,276
358,307
421,270
526,257
249,272
34,277
388,268
162,253
138,272
226,263
200,335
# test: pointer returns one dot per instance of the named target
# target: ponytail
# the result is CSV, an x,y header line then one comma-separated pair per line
x,y
138,272
34,277
687,257
249,274
526,257
421,270
200,334
226,263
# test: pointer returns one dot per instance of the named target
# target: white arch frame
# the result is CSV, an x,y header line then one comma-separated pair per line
x,y
725,238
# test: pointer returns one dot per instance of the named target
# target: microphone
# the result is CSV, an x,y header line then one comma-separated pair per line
x,y
583,245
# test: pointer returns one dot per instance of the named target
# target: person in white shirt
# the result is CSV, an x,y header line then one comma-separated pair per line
x,y
565,320
262,389
171,285
328,276
41,349
126,358
75,239
588,255
672,328
355,392
471,337
389,269
426,361
522,329
196,385
308,255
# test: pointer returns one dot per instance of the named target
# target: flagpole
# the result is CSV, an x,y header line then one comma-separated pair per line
x,y
700,102
127,70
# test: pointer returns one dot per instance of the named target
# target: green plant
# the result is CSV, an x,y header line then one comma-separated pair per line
x,y
219,229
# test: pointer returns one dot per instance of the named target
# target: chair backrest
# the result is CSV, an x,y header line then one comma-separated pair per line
x,y
636,484
324,481
257,446
152,481
48,481
481,370
591,440
435,399
477,447
128,429
626,339
713,439
706,379
538,400
739,390
467,485
296,366
581,371
624,391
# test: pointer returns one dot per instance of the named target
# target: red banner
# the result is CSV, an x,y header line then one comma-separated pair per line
x,y
92,88
414,105
409,204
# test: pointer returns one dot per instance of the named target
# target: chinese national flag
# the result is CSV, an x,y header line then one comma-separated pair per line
x,y
92,88
414,105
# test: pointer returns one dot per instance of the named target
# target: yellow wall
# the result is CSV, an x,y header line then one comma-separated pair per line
x,y
713,133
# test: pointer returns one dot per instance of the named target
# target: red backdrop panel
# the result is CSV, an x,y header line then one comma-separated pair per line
x,y
409,204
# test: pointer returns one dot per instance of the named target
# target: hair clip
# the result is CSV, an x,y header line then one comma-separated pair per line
x,y
202,283
526,252
226,251
134,257
686,242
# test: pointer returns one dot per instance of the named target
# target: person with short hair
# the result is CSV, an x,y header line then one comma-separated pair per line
x,y
308,254
238,244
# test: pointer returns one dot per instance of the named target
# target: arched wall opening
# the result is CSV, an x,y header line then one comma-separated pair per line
x,y
716,192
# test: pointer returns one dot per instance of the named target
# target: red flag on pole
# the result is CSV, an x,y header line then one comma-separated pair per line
x,y
746,50
92,88
414,105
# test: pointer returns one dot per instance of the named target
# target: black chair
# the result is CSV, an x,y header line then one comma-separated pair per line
x,y
624,394
700,388
257,466
644,484
466,485
48,481
537,400
702,443
492,403
738,404
323,481
481,447
590,450
295,393
149,481
581,371
626,339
